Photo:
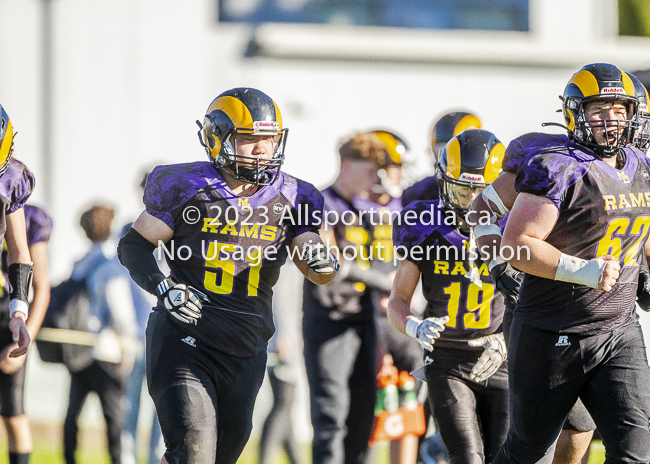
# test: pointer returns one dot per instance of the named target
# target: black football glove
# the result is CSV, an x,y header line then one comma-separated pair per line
x,y
508,281
643,289
181,301
318,258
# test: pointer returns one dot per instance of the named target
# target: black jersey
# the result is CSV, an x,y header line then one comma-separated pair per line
x,y
230,247
442,255
602,210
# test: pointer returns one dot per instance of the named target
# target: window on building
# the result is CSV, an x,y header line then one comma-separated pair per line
x,y
497,15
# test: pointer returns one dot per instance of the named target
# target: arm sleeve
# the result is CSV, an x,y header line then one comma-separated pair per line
x,y
136,254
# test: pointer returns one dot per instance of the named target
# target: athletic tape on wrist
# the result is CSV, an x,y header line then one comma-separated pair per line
x,y
20,280
412,327
491,195
18,306
495,262
481,230
579,271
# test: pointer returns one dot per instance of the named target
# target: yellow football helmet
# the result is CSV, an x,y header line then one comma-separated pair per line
x,y
243,111
395,146
450,125
600,82
6,140
468,164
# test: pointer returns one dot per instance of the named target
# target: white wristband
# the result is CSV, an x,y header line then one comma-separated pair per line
x,y
495,262
580,271
412,327
486,229
18,305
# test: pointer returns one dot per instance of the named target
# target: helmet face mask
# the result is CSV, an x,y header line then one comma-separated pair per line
x,y
641,138
468,164
461,195
254,168
231,117
390,176
600,83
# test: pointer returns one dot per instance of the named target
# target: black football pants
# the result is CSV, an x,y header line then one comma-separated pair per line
x,y
472,416
12,386
549,371
204,398
341,362
579,419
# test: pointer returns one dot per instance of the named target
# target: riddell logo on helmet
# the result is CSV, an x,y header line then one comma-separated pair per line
x,y
471,177
265,126
613,90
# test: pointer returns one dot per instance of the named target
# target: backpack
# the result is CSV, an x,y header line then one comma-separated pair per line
x,y
69,309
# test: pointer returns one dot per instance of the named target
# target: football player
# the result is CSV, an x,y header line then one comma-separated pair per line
x,y
227,226
16,185
12,370
580,215
448,126
466,377
496,201
403,353
389,190
339,332
642,134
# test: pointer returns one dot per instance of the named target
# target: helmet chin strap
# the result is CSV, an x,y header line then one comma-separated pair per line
x,y
254,175
459,219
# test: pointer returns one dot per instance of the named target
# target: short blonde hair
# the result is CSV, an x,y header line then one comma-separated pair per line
x,y
364,147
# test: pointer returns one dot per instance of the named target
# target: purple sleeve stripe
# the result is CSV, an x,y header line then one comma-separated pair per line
x,y
16,207
557,202
163,216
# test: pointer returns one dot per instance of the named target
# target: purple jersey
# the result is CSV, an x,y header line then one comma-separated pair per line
x,y
38,223
230,247
602,210
16,185
441,254
426,189
534,143
351,224
380,239
380,220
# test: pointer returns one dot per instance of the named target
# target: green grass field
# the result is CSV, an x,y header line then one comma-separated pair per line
x,y
48,449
